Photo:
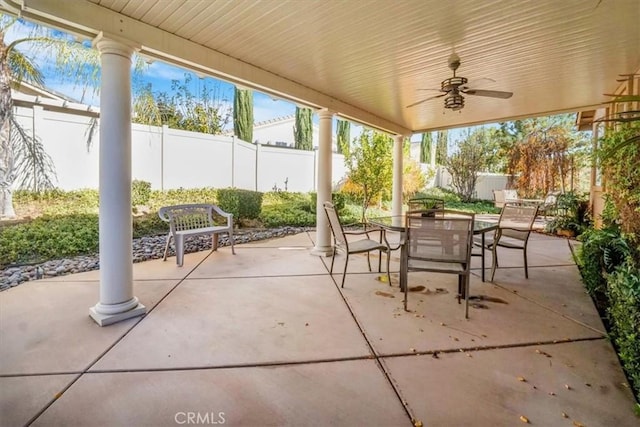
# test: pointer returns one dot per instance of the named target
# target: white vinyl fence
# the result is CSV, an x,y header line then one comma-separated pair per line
x,y
171,159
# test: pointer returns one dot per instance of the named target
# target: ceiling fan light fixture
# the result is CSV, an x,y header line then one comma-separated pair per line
x,y
454,102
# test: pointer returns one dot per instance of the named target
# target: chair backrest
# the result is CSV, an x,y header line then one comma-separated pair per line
x,y
446,237
551,199
510,195
516,221
336,226
424,203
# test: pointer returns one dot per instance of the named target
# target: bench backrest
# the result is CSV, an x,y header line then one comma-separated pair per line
x,y
194,216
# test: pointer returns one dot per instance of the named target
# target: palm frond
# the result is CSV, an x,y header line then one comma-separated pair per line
x,y
34,168
90,132
22,68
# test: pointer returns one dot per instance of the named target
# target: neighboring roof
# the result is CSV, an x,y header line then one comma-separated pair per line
x,y
274,121
368,60
28,95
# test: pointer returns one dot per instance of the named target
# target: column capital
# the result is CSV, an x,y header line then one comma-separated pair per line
x,y
116,45
325,113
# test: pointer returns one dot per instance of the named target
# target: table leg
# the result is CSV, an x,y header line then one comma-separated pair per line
x,y
482,255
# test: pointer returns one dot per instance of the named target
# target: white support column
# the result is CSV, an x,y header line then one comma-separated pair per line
x,y
323,234
116,260
396,195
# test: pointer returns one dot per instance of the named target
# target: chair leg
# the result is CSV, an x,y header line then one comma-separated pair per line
x,y
369,260
233,250
166,247
344,274
494,261
179,242
526,269
466,295
388,264
333,258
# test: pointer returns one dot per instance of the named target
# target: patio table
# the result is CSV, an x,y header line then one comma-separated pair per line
x,y
398,223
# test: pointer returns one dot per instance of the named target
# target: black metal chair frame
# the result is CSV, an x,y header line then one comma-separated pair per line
x,y
514,229
342,244
449,237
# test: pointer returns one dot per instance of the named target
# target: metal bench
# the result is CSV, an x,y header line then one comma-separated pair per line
x,y
193,220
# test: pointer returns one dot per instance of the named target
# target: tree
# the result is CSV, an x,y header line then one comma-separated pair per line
x,y
204,111
243,114
303,129
465,164
343,129
442,147
425,147
370,166
22,156
545,153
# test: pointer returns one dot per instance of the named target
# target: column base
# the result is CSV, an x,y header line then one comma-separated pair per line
x,y
108,319
322,251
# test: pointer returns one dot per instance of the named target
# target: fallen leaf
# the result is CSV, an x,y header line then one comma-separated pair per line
x,y
578,424
435,355
417,423
567,386
442,324
523,379
469,355
587,384
551,393
565,415
413,350
384,294
524,419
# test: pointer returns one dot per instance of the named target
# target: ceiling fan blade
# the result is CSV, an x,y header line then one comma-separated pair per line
x,y
430,89
489,93
425,100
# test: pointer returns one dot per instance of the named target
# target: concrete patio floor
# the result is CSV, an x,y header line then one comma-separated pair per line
x,y
266,337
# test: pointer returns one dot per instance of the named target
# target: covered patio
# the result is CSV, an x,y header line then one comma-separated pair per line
x,y
267,337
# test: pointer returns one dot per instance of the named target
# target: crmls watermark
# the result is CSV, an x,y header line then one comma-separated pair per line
x,y
199,418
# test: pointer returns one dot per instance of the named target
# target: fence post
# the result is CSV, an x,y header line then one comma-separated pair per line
x,y
163,135
257,163
233,161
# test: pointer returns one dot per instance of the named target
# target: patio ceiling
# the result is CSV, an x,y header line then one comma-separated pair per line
x,y
367,60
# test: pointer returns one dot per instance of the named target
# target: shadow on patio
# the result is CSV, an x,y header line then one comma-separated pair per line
x,y
266,337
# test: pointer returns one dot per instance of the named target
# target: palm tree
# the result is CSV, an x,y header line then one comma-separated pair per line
x,y
22,156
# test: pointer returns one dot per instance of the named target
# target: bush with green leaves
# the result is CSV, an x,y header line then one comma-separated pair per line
x,y
623,292
140,192
49,237
243,204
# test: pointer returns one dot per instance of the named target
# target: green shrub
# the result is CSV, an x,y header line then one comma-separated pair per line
x,y
623,291
243,204
140,192
149,225
286,214
601,252
338,199
182,196
48,238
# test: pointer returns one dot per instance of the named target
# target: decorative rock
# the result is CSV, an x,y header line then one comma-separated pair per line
x,y
144,248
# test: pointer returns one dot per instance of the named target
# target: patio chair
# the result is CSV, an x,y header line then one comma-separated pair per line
x,y
439,243
550,204
425,203
514,228
366,245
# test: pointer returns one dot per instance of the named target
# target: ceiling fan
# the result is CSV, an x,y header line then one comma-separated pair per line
x,y
454,87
